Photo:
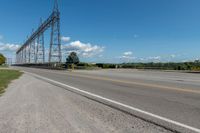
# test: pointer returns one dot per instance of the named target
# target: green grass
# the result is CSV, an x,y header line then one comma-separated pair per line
x,y
6,76
3,66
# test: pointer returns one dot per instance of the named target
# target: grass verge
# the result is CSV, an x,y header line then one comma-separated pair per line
x,y
6,76
3,66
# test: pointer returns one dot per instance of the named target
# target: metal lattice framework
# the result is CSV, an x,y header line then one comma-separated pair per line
x,y
33,50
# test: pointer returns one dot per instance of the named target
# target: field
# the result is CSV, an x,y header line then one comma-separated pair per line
x,y
6,76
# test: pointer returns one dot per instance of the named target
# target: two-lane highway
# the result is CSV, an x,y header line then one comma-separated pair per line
x,y
172,95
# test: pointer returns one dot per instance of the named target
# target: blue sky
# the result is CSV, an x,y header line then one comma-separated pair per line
x,y
110,30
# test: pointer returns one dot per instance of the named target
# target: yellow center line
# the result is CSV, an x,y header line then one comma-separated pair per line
x,y
136,83
130,82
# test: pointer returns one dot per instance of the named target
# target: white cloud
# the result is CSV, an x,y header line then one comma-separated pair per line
x,y
128,53
65,39
127,57
184,61
150,59
154,58
172,55
8,47
83,49
141,59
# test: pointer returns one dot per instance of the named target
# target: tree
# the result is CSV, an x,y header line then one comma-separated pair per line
x,y
72,58
2,59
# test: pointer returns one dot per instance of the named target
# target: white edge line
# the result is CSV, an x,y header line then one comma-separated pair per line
x,y
120,104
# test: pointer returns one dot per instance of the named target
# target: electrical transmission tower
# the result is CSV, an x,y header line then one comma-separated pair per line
x,y
33,50
55,44
40,51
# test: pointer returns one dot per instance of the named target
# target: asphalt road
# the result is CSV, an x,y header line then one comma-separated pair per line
x,y
171,95
31,105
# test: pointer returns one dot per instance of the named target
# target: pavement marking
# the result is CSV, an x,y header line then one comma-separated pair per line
x,y
132,83
119,104
137,83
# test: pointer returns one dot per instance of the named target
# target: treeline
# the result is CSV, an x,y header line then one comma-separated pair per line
x,y
161,66
73,62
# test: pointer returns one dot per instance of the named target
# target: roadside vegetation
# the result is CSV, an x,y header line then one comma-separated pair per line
x,y
72,62
6,76
2,59
3,66
193,66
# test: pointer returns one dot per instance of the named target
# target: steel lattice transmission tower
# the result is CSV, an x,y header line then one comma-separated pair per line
x,y
33,50
55,44
40,51
32,58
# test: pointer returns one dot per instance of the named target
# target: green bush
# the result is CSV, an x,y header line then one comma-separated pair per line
x,y
2,59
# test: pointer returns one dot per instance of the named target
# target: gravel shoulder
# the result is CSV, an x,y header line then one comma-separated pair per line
x,y
34,106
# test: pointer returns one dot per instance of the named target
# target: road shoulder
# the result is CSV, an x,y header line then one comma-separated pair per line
x,y
32,105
